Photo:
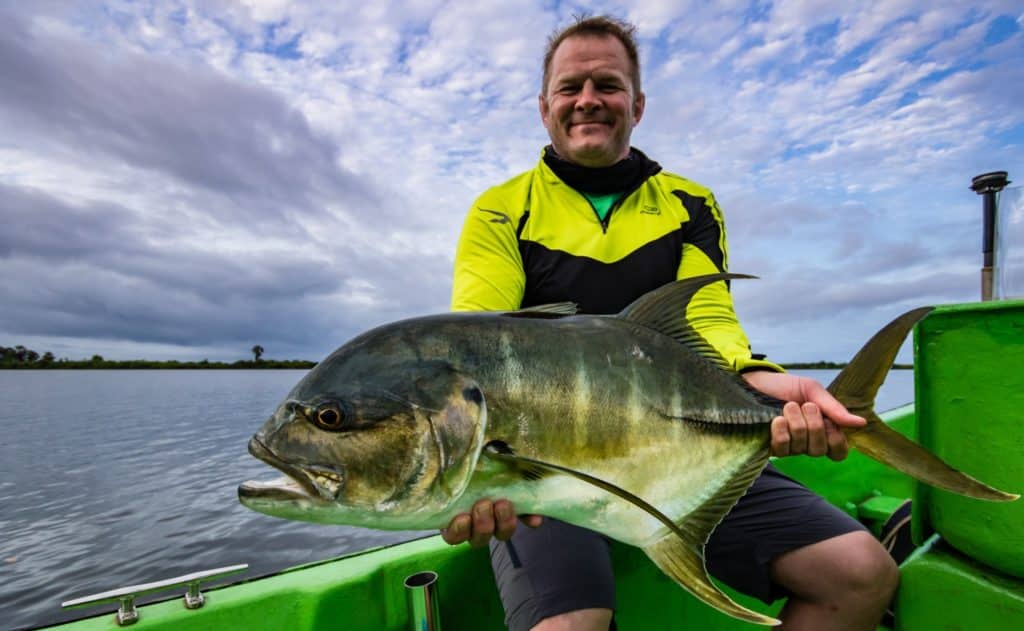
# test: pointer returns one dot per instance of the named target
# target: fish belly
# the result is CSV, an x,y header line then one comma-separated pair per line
x,y
676,475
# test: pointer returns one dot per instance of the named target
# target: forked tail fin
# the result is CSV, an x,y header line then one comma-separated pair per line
x,y
856,386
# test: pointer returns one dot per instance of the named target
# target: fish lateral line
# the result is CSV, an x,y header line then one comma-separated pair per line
x,y
722,427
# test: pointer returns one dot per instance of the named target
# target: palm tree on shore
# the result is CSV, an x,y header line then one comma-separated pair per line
x,y
257,352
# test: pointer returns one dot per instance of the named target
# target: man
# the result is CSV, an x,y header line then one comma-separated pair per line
x,y
599,223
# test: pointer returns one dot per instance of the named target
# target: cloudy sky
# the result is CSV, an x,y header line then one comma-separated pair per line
x,y
184,179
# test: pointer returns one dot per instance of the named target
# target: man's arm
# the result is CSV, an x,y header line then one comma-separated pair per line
x,y
488,273
810,419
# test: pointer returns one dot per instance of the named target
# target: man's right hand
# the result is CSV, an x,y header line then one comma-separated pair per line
x,y
488,519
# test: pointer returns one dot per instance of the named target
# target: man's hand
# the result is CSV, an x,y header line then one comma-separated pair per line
x,y
488,519
811,418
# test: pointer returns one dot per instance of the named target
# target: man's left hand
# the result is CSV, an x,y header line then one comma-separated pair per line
x,y
811,419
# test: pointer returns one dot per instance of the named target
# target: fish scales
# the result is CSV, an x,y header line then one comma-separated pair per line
x,y
633,413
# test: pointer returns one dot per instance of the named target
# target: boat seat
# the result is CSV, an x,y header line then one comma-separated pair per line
x,y
941,588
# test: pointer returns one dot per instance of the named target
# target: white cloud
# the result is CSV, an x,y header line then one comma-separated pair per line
x,y
310,165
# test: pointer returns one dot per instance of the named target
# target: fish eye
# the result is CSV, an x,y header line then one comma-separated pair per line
x,y
329,416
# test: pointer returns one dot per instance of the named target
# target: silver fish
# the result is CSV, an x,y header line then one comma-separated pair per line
x,y
631,425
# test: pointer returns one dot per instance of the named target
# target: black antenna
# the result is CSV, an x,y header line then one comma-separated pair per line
x,y
988,186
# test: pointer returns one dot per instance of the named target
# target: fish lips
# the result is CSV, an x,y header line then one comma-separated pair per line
x,y
307,482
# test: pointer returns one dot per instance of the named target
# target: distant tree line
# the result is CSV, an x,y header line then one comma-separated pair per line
x,y
21,357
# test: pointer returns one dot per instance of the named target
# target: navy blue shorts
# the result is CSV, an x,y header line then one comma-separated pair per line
x,y
558,567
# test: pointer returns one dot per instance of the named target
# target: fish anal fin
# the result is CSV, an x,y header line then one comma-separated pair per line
x,y
699,523
680,555
683,561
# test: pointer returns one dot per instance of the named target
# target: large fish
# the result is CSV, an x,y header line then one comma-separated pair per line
x,y
631,425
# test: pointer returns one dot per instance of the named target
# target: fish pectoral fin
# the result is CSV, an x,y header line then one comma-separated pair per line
x,y
683,561
533,469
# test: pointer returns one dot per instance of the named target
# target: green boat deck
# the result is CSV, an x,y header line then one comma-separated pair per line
x,y
966,575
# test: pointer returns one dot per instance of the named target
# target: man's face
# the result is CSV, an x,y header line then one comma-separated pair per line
x,y
590,108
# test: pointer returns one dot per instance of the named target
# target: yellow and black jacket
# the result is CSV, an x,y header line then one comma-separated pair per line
x,y
535,240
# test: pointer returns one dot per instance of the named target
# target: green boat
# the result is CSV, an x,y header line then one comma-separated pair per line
x,y
966,571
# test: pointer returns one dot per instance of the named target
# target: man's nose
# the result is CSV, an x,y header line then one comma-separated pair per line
x,y
588,100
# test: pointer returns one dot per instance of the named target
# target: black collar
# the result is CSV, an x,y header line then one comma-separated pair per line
x,y
625,175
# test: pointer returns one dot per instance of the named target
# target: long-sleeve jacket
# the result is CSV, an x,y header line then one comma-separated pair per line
x,y
536,240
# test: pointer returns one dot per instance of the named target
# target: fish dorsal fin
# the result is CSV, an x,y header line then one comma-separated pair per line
x,y
681,556
553,310
533,469
664,310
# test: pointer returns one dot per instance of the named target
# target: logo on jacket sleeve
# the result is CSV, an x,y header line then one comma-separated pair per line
x,y
501,217
650,210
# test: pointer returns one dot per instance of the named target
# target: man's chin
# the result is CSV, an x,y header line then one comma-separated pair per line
x,y
591,155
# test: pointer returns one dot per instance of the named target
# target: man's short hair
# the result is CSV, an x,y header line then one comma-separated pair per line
x,y
599,25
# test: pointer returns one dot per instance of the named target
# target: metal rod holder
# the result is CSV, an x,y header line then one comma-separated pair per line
x,y
988,186
127,613
424,614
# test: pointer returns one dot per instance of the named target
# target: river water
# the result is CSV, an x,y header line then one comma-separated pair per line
x,y
114,478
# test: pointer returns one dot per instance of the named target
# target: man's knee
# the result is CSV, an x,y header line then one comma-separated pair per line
x,y
849,568
580,620
867,567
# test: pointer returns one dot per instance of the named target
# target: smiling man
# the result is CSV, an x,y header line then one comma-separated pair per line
x,y
599,223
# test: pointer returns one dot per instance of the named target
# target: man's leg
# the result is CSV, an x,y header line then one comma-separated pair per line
x,y
555,577
844,582
783,540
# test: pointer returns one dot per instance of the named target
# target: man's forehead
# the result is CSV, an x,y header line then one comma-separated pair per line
x,y
590,44
598,50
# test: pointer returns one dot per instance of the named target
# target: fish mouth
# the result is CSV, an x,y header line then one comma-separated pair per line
x,y
308,482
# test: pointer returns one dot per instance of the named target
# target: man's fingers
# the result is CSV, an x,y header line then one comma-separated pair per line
x,y
457,530
780,436
504,520
483,523
532,520
838,448
797,428
816,393
486,520
817,439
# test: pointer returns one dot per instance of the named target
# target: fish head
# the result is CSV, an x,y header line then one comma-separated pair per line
x,y
389,447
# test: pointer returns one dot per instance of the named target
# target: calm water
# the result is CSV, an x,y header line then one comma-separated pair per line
x,y
112,478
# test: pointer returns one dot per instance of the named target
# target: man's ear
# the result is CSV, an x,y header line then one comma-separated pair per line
x,y
638,107
542,105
